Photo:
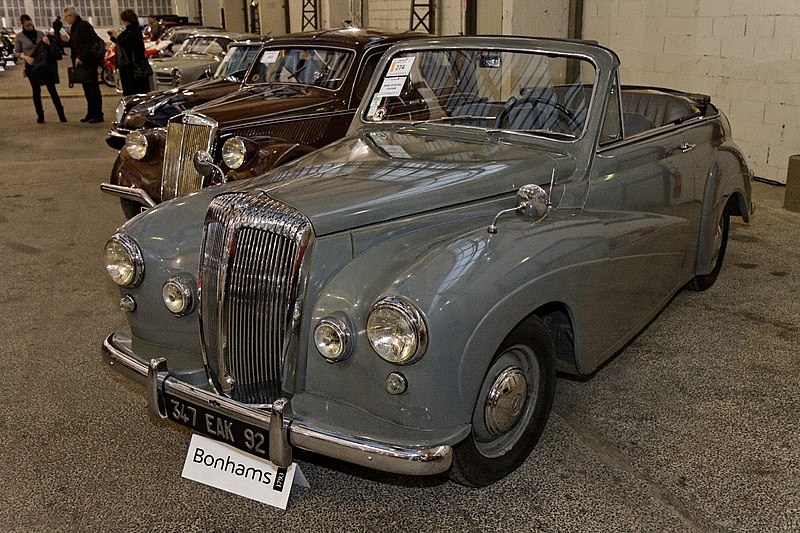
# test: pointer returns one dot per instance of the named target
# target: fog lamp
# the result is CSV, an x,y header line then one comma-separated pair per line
x,y
177,296
332,339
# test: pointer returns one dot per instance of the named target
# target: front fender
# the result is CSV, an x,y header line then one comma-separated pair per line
x,y
472,287
144,174
271,154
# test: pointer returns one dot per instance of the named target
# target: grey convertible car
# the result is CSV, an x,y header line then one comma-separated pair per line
x,y
502,209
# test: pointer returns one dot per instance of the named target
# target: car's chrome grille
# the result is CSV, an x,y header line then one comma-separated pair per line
x,y
186,134
164,79
249,278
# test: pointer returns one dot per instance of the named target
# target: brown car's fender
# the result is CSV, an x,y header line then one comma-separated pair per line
x,y
270,155
145,173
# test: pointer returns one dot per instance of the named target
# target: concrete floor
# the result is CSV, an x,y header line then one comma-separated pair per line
x,y
692,427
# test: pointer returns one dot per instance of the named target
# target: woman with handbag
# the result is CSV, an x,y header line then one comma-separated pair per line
x,y
87,54
41,66
130,55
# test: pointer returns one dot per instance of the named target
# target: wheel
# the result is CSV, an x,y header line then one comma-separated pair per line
x,y
130,208
109,78
701,283
511,410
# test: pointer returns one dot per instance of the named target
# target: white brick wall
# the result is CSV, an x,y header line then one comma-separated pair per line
x,y
744,53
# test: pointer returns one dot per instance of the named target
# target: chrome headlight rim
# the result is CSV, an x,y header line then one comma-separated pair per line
x,y
121,110
137,145
408,312
184,289
342,331
134,256
234,153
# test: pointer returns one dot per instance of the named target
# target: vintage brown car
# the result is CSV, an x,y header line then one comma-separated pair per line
x,y
300,94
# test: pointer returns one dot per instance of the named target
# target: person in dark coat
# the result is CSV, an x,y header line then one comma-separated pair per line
x,y
87,55
41,65
57,26
130,52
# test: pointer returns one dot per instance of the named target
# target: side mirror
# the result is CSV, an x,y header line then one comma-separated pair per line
x,y
204,165
532,202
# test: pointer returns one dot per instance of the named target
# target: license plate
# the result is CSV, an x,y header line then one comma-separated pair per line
x,y
246,437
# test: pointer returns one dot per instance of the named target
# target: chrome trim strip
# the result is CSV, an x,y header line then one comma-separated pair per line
x,y
130,193
357,450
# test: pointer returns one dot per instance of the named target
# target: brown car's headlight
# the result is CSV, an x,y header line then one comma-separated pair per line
x,y
136,144
124,261
396,330
235,152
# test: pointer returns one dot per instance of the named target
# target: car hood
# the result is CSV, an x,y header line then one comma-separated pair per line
x,y
266,102
155,109
373,177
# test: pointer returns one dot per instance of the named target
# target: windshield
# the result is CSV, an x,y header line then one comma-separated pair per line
x,y
213,46
494,89
321,67
236,61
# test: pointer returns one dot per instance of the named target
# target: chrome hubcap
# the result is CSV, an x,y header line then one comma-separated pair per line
x,y
505,401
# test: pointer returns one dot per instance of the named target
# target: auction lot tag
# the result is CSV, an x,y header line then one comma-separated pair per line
x,y
224,467
392,86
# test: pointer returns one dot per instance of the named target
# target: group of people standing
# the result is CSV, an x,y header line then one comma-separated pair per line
x,y
41,53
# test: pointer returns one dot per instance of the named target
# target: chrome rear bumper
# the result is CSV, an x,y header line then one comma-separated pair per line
x,y
284,433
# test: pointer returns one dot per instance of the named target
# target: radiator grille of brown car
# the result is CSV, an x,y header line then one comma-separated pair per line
x,y
186,134
250,273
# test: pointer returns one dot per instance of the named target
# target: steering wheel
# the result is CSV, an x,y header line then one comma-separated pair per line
x,y
512,102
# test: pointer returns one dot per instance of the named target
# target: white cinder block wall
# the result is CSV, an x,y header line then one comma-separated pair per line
x,y
745,54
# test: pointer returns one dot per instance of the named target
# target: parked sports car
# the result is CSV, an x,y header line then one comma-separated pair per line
x,y
198,57
401,299
300,94
153,110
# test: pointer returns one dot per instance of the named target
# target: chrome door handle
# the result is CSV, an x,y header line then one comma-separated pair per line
x,y
685,147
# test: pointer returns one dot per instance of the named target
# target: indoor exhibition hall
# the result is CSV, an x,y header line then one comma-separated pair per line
x,y
400,265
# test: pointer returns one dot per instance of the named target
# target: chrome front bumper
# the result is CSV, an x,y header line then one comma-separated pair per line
x,y
284,433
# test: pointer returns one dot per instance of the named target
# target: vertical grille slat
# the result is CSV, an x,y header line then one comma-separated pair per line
x,y
249,282
186,134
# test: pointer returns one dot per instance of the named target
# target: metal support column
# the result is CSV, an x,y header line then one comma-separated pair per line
x,y
310,15
423,15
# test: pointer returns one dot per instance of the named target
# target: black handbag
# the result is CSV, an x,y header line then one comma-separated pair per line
x,y
142,70
81,74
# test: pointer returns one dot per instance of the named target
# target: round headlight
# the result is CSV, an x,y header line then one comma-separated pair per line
x,y
136,144
332,338
234,152
177,296
396,330
124,261
177,77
